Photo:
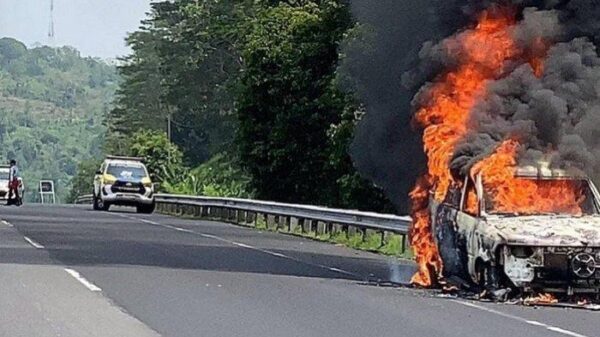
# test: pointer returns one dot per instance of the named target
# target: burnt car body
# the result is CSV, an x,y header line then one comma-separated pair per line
x,y
558,253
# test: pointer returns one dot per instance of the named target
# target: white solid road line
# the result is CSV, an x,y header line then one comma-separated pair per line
x,y
520,319
82,280
6,223
33,243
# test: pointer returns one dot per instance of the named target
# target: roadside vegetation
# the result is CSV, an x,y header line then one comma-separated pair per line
x,y
52,105
251,90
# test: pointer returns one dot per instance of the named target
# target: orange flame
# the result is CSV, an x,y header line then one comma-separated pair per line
x,y
541,299
524,196
482,52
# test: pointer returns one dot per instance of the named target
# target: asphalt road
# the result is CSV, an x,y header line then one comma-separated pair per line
x,y
69,271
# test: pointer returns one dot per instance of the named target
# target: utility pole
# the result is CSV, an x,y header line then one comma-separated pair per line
x,y
51,26
169,134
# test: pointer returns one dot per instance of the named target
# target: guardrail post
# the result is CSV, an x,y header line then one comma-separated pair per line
x,y
294,223
336,228
241,217
271,222
287,223
250,219
307,226
351,231
321,228
381,239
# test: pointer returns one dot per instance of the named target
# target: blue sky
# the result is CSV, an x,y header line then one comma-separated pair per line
x,y
95,27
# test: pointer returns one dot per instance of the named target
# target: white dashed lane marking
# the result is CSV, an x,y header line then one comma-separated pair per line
x,y
33,243
520,319
243,245
82,280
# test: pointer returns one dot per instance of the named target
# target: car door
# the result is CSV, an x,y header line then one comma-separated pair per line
x,y
467,219
446,233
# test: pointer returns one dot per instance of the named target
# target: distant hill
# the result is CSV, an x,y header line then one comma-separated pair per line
x,y
52,107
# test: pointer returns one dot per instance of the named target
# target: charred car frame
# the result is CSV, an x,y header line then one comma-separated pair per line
x,y
557,253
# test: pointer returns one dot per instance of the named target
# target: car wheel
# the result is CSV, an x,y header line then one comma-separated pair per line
x,y
102,205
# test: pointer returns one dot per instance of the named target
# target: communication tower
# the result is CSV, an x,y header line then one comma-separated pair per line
x,y
51,26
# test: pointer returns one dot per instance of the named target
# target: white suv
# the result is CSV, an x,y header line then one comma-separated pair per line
x,y
4,175
123,181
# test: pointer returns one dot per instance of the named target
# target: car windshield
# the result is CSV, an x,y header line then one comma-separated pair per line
x,y
127,171
535,196
4,174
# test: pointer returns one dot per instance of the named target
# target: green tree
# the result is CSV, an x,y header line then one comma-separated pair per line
x,y
160,155
83,181
286,105
50,113
183,64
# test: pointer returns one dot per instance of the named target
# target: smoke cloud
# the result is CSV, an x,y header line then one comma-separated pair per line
x,y
407,48
386,148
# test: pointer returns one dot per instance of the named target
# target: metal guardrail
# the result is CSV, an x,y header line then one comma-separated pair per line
x,y
290,217
387,222
84,199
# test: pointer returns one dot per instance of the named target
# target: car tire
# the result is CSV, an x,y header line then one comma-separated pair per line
x,y
96,204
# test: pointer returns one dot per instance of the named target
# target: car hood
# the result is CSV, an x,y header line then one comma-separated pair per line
x,y
548,230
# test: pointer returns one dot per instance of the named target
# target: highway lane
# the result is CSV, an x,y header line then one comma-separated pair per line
x,y
196,278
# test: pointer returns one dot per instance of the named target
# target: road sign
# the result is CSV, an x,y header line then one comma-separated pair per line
x,y
47,193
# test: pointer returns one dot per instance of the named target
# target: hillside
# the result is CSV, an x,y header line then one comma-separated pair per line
x,y
52,106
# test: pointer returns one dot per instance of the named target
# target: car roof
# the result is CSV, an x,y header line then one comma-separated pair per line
x,y
124,162
545,172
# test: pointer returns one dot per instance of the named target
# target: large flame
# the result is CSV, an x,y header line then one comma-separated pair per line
x,y
482,52
525,196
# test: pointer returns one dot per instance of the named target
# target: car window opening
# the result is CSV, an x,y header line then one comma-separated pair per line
x,y
537,196
126,171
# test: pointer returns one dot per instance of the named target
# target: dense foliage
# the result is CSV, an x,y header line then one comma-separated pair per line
x,y
52,104
250,88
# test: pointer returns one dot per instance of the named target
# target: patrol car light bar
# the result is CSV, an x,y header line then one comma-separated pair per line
x,y
124,158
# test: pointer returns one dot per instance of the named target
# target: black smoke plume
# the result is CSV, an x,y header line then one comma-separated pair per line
x,y
558,111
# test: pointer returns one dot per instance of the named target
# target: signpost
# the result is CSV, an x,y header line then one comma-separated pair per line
x,y
47,194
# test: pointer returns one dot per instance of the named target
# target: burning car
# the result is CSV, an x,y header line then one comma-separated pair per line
x,y
546,241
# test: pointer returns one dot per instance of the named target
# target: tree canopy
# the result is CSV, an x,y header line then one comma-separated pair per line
x,y
52,104
250,85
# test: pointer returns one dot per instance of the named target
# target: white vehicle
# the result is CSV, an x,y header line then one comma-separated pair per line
x,y
557,252
123,181
4,175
